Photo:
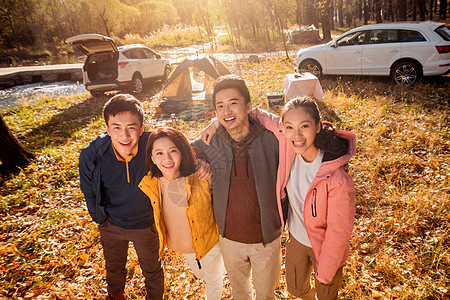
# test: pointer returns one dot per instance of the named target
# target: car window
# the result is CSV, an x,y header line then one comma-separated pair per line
x,y
411,36
355,38
128,54
149,54
382,36
137,53
444,32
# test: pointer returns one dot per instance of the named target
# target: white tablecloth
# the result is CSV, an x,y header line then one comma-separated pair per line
x,y
303,84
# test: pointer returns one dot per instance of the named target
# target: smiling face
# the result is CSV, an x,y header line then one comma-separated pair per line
x,y
232,112
124,130
167,157
300,130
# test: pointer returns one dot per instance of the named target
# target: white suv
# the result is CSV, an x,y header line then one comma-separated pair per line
x,y
126,68
405,51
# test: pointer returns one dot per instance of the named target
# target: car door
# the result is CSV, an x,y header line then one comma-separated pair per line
x,y
155,63
417,46
382,48
143,63
344,55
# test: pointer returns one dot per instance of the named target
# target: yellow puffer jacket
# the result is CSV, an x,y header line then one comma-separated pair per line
x,y
204,232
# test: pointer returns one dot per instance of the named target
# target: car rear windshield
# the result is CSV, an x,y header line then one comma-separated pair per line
x,y
444,32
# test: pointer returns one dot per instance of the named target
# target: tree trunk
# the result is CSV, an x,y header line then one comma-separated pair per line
x,y
349,19
326,21
105,22
414,10
360,10
389,15
422,9
12,153
280,24
341,13
298,12
401,9
310,13
443,10
331,15
431,9
366,12
377,4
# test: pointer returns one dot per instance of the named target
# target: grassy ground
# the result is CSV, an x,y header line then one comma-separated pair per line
x,y
49,247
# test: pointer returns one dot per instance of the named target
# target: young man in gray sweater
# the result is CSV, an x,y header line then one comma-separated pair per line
x,y
244,159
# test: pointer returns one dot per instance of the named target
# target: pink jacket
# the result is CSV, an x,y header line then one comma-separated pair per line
x,y
329,210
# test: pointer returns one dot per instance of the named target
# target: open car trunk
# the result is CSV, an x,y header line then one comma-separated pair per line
x,y
102,56
102,67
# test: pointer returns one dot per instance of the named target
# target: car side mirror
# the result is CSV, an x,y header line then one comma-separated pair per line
x,y
158,56
333,44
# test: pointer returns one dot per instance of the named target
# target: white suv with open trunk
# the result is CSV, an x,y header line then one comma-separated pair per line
x,y
127,68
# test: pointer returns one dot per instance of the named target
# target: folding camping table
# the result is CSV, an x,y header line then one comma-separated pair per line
x,y
302,84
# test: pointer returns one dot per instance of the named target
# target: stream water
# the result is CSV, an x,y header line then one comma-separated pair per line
x,y
27,92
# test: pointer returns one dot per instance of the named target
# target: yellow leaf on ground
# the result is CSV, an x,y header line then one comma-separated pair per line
x,y
83,256
377,295
279,284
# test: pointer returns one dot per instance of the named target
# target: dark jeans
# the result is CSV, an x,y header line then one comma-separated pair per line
x,y
115,248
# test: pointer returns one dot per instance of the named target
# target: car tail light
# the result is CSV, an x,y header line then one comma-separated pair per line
x,y
122,64
443,49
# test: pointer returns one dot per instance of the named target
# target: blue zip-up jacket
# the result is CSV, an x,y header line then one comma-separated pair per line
x,y
92,183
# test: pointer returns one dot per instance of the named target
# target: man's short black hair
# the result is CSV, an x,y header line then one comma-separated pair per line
x,y
121,103
230,81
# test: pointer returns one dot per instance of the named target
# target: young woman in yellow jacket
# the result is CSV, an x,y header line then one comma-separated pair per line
x,y
182,206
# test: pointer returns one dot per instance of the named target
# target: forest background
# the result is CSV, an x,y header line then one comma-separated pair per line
x,y
35,30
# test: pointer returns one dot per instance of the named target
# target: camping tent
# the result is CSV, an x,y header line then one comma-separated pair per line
x,y
181,83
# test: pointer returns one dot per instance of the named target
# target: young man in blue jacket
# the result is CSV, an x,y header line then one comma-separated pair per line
x,y
111,168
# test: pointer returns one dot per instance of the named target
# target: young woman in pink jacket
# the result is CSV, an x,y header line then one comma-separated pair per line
x,y
321,197
312,170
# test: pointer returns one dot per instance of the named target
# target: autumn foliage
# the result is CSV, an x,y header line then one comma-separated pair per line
x,y
49,247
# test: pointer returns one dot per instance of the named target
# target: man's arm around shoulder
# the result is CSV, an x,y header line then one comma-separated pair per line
x,y
199,148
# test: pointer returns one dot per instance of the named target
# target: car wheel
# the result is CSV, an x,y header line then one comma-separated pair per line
x,y
97,94
166,73
137,84
312,67
406,73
